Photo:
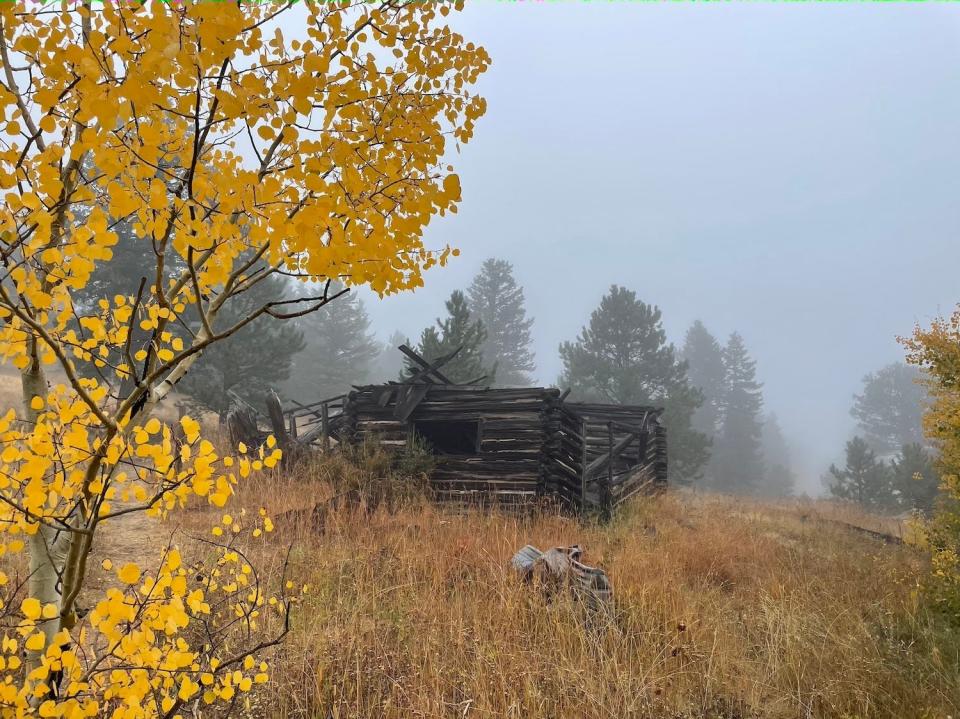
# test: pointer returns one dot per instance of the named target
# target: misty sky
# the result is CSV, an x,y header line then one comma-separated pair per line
x,y
788,171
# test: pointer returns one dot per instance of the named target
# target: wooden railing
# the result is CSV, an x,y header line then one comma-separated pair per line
x,y
316,418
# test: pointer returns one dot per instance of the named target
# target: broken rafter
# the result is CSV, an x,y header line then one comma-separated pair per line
x,y
426,366
430,367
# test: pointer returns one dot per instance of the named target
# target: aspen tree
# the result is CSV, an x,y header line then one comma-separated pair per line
x,y
238,155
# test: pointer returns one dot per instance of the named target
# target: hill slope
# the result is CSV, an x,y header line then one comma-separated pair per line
x,y
724,608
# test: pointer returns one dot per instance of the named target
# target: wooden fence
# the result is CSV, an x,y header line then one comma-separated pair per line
x,y
316,422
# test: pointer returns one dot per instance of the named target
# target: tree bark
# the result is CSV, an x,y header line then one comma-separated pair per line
x,y
47,547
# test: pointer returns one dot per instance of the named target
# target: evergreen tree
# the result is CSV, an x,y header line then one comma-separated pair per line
x,y
339,350
497,301
915,478
704,358
890,408
779,479
864,480
122,275
252,361
738,464
458,329
623,357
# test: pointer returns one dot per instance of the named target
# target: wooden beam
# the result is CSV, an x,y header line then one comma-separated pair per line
x,y
611,455
412,397
427,367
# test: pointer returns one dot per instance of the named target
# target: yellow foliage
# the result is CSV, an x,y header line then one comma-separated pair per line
x,y
937,350
218,141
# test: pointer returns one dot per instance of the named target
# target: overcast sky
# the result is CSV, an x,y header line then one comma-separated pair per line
x,y
785,170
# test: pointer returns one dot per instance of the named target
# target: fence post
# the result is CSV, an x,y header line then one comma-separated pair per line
x,y
325,429
583,466
293,425
606,498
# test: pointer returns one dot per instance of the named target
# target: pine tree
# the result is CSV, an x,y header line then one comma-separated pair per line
x,y
890,409
458,329
339,350
738,465
915,478
497,301
704,358
779,479
623,357
252,361
123,276
864,480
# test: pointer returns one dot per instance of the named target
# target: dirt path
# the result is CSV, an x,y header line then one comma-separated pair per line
x,y
133,537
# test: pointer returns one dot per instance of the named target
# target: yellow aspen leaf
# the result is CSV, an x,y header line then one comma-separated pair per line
x,y
31,608
37,402
129,573
451,187
187,688
35,642
191,428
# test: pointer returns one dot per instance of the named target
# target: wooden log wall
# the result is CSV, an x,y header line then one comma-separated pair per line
x,y
514,424
530,442
564,462
642,464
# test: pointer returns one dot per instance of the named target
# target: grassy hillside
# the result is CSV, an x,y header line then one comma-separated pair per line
x,y
724,608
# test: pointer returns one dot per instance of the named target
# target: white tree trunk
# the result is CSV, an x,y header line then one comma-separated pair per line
x,y
48,547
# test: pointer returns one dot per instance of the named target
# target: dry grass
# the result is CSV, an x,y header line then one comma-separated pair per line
x,y
724,608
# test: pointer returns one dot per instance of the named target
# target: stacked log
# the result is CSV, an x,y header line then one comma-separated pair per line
x,y
529,442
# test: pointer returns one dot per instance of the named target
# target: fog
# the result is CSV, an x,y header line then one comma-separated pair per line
x,y
788,171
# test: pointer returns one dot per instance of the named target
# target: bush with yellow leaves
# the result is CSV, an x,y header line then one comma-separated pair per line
x,y
937,350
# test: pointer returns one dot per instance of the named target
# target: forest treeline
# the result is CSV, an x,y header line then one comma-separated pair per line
x,y
720,434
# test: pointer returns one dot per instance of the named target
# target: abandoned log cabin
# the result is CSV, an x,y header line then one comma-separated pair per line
x,y
512,444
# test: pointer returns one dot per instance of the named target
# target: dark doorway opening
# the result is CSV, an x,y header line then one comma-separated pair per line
x,y
449,437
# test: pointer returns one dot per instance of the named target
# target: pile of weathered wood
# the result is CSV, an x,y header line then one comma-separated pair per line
x,y
559,569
